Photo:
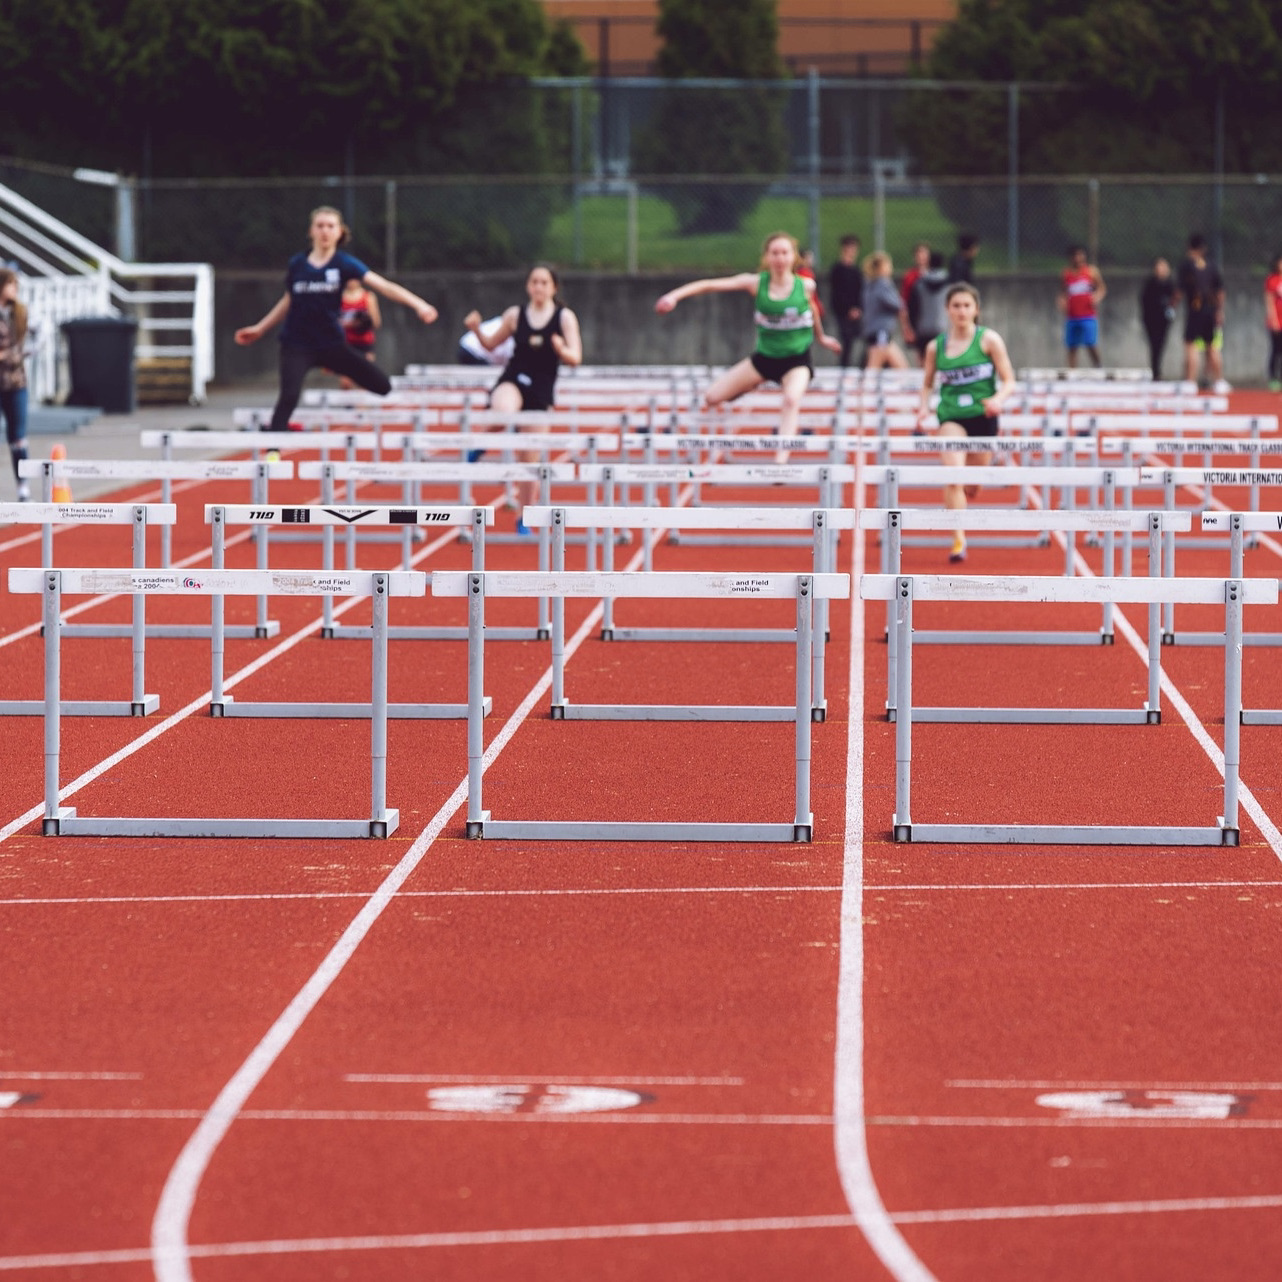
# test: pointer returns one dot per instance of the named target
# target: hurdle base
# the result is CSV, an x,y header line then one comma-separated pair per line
x,y
1217,638
1038,716
819,712
409,632
476,827
173,631
1247,717
1011,638
82,707
567,711
68,824
753,635
552,830
228,707
1052,834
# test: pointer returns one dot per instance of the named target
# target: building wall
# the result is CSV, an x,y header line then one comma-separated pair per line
x,y
620,325
834,45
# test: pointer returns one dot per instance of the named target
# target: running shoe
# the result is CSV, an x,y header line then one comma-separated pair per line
x,y
957,556
474,455
524,530
1222,387
24,492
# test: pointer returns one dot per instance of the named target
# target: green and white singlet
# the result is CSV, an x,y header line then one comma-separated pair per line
x,y
785,326
966,381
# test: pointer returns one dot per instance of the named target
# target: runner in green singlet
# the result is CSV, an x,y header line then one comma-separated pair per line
x,y
975,379
787,322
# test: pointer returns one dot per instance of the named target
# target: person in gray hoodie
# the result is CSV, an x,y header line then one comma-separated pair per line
x,y
881,314
926,313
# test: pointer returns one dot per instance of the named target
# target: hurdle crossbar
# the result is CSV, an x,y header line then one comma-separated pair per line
x,y
379,586
139,516
1233,594
804,588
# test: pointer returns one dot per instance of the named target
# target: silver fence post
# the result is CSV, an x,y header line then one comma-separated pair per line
x,y
903,824
138,706
378,709
1233,592
802,823
812,94
217,614
53,696
1012,180
475,701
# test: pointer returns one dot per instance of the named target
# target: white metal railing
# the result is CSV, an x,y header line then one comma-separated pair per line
x,y
67,276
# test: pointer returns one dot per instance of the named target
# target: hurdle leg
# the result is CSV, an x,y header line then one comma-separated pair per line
x,y
50,825
803,823
557,710
544,630
1153,705
327,551
217,633
476,816
382,821
166,531
819,560
901,821
1232,708
892,547
607,564
260,606
1110,544
138,706
1168,552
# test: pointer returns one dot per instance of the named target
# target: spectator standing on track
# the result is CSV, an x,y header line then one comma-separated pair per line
x,y
1157,311
1201,286
881,314
846,295
961,266
1272,321
312,335
927,315
545,335
921,261
13,374
787,323
471,351
1082,291
975,379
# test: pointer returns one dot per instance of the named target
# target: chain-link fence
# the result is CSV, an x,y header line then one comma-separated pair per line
x,y
655,176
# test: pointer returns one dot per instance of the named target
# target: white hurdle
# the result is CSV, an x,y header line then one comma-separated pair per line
x,y
1233,594
803,588
822,525
378,585
1236,525
220,516
137,515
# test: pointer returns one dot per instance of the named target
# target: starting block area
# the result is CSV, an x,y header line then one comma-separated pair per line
x,y
804,589
51,584
903,591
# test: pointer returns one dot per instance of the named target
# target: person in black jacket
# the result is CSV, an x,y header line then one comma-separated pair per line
x,y
846,294
1157,311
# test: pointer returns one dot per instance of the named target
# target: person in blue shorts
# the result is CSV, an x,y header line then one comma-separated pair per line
x,y
1081,292
312,335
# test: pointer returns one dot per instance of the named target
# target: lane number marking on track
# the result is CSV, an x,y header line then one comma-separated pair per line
x,y
1207,1105
507,1098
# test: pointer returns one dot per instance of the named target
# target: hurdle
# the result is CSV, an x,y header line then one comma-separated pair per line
x,y
220,516
1233,594
137,515
804,588
1108,523
819,521
257,472
379,586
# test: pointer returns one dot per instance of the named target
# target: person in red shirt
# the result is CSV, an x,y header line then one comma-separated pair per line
x,y
921,261
1273,322
1082,291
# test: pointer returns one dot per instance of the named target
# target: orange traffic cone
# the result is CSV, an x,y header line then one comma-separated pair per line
x,y
61,490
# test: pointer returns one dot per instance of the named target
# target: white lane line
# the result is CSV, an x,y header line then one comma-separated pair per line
x,y
1000,1084
12,1116
588,1079
569,891
171,1252
608,1232
851,1137
590,891
1131,1122
135,745
47,1076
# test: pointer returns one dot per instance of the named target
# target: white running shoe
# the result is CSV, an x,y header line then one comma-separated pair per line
x,y
24,492
1222,387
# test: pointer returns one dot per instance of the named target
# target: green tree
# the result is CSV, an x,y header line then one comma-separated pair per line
x,y
715,131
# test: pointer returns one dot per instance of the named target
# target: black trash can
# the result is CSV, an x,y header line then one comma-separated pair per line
x,y
100,352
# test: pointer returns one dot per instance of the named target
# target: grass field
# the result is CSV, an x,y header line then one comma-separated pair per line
x,y
661,246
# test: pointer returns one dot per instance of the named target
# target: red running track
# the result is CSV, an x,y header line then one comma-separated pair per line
x,y
429,1056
